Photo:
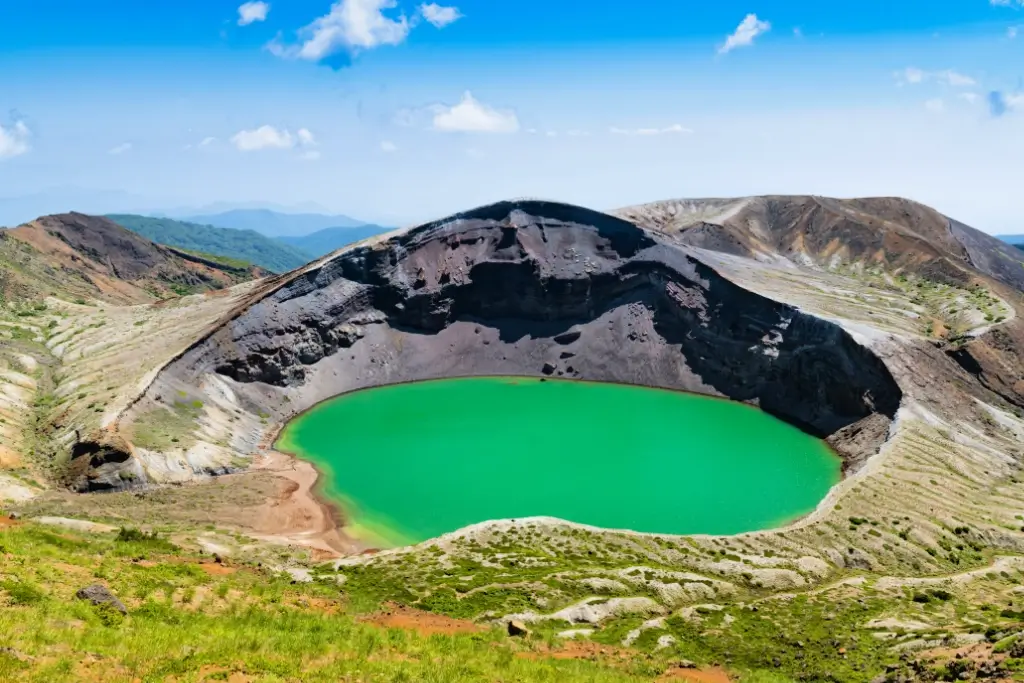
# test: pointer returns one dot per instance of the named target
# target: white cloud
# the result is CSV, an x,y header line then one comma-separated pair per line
x,y
440,16
351,25
306,138
120,149
912,76
252,11
264,137
1011,32
750,28
14,140
207,141
957,80
1007,3
470,115
674,128
935,105
970,97
388,146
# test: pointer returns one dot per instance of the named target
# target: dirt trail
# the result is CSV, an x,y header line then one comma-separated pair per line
x,y
298,516
424,623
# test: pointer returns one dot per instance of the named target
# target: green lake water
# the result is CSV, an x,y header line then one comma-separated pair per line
x,y
412,461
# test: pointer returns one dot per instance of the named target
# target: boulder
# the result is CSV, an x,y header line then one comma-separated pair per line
x,y
517,628
99,594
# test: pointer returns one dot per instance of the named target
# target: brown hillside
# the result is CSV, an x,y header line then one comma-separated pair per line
x,y
896,234
74,255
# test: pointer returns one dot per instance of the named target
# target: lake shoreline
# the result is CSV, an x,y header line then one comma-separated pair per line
x,y
302,515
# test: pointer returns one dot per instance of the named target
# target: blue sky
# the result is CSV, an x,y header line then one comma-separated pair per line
x,y
403,111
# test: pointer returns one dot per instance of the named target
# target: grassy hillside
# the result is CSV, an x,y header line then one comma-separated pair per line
x,y
325,241
191,618
244,245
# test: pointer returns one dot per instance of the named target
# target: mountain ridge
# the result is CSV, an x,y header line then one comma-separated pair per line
x,y
274,223
269,253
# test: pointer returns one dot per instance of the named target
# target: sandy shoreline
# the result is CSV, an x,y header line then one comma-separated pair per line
x,y
298,516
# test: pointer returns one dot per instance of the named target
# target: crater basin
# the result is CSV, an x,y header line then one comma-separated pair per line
x,y
408,462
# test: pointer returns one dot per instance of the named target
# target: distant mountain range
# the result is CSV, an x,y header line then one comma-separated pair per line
x,y
278,255
246,245
1012,239
323,242
275,223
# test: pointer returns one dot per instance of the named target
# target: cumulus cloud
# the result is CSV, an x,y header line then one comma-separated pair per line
x,y
957,80
912,76
440,16
472,116
674,128
250,12
268,137
207,141
120,149
751,27
350,26
14,139
388,146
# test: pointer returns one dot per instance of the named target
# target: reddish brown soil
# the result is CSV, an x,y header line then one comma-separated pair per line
x,y
579,649
424,623
696,675
8,522
214,569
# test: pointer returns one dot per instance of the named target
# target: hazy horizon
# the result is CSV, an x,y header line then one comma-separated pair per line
x,y
397,112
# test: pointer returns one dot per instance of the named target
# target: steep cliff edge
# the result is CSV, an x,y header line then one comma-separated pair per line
x,y
525,288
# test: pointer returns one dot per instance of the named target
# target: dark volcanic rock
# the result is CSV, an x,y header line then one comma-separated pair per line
x,y
502,289
99,594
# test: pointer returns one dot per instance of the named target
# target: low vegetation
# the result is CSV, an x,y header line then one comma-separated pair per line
x,y
239,246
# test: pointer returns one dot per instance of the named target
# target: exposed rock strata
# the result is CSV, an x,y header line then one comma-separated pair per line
x,y
531,288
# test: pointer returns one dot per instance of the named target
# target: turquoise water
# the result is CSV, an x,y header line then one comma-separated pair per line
x,y
412,461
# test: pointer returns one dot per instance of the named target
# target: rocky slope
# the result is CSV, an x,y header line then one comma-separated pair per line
x,y
74,255
897,234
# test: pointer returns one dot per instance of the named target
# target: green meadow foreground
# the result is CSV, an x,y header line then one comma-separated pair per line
x,y
450,453
193,616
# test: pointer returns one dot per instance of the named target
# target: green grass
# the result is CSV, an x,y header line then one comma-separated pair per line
x,y
184,622
163,429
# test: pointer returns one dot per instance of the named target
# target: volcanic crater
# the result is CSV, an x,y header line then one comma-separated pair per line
x,y
527,288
